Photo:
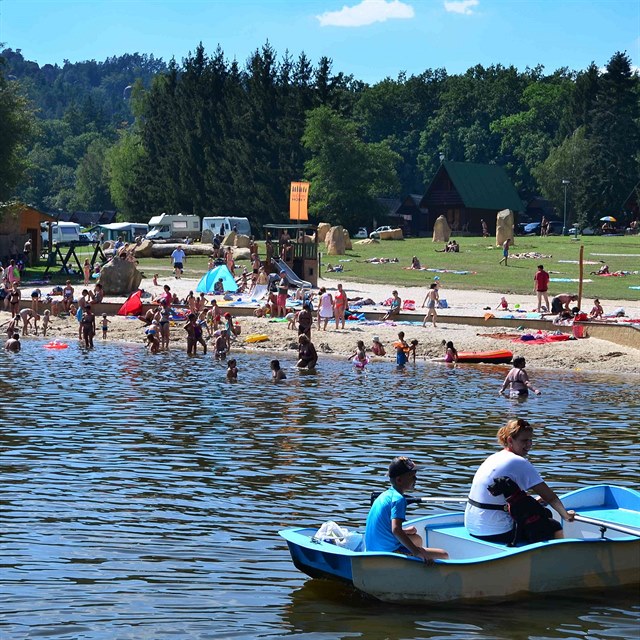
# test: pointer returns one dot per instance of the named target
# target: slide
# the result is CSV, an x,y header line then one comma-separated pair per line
x,y
291,276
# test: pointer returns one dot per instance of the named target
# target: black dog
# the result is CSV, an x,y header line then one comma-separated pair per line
x,y
533,521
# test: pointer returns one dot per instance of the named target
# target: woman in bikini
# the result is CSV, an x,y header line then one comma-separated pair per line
x,y
339,306
14,300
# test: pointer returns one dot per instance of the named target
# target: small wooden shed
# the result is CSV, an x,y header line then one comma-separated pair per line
x,y
18,223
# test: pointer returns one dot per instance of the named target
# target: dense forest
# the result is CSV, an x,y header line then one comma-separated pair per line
x,y
212,137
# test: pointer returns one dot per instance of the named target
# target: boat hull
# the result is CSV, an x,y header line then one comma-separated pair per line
x,y
554,566
479,571
491,357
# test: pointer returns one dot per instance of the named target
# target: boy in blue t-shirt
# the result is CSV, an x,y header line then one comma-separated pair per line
x,y
384,530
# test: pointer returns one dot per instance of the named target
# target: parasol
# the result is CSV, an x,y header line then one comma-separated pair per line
x,y
608,219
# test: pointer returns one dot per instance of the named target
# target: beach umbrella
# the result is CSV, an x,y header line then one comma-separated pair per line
x,y
608,219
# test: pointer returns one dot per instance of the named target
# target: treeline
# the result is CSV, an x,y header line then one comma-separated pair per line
x,y
212,137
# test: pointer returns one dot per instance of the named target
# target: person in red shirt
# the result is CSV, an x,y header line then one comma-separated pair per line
x,y
540,286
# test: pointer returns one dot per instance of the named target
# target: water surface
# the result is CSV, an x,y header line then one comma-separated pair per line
x,y
142,495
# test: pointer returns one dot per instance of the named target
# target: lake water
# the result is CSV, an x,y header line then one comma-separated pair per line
x,y
141,495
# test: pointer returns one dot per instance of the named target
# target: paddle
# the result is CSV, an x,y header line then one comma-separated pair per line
x,y
604,525
413,500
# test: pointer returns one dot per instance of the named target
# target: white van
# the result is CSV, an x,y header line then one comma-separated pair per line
x,y
224,225
61,233
168,226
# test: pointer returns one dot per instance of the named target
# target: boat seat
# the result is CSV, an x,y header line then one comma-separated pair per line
x,y
617,516
460,543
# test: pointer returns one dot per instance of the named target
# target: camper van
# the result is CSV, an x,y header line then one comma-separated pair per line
x,y
224,225
129,231
61,233
168,226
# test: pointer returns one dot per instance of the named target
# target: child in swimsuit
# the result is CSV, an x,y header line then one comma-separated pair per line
x,y
450,354
402,349
359,356
232,370
276,372
105,326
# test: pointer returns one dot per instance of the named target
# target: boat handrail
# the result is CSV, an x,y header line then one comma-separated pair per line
x,y
604,525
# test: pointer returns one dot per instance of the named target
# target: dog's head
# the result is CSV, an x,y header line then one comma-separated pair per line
x,y
503,486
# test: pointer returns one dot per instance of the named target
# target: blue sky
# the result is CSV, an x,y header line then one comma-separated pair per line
x,y
370,39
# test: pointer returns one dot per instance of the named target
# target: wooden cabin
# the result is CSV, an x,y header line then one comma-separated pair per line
x,y
466,193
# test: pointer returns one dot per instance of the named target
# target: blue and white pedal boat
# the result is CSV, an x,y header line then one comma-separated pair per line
x,y
601,549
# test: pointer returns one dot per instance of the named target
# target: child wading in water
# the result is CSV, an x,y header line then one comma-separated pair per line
x,y
105,325
359,356
276,372
232,370
402,349
450,352
46,319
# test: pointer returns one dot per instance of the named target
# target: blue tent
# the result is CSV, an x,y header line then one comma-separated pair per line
x,y
209,279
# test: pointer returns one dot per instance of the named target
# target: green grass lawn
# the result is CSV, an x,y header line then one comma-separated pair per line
x,y
477,255
481,257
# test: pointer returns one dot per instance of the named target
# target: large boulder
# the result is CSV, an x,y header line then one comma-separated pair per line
x,y
323,229
441,230
504,227
241,253
143,250
119,277
241,241
347,241
335,241
391,234
230,239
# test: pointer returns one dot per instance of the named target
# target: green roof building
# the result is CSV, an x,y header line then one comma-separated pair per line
x,y
466,193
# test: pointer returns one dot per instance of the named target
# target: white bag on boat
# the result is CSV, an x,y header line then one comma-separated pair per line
x,y
340,536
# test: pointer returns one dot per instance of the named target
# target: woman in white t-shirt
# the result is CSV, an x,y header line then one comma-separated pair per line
x,y
484,516
325,308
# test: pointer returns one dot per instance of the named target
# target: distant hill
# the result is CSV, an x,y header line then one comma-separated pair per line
x,y
101,86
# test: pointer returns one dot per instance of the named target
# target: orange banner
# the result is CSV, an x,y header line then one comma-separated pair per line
x,y
298,201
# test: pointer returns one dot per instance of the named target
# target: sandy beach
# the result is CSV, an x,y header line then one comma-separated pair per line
x,y
588,354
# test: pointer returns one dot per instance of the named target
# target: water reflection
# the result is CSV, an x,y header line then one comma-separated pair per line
x,y
142,495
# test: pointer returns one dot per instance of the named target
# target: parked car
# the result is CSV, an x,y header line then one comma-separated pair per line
x,y
362,233
376,233
533,228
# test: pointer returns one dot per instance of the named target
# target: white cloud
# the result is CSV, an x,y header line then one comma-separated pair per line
x,y
367,12
461,6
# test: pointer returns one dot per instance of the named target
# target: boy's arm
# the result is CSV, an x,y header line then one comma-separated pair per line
x,y
403,537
